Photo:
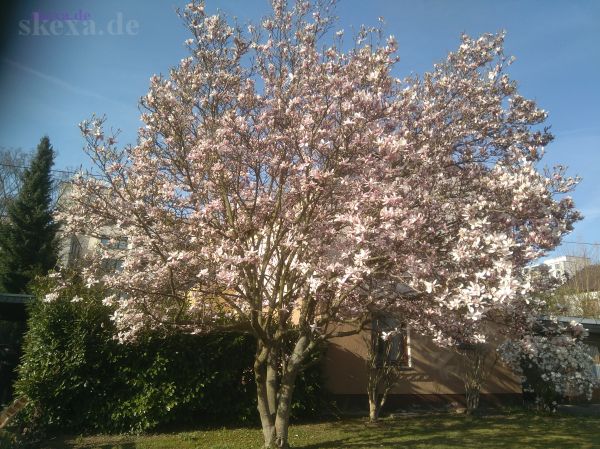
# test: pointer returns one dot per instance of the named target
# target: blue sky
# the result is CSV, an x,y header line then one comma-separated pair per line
x,y
49,83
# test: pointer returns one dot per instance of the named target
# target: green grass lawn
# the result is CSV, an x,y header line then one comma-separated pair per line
x,y
519,430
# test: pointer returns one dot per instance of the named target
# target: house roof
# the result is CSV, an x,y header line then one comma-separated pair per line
x,y
12,298
13,307
591,324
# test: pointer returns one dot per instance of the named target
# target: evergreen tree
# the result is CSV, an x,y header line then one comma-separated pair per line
x,y
28,234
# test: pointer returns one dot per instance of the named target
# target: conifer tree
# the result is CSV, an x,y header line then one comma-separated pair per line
x,y
28,234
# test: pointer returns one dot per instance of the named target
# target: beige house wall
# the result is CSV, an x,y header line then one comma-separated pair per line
x,y
434,370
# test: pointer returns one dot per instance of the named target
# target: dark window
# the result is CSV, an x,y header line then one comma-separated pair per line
x,y
74,251
114,243
391,340
112,264
122,243
595,354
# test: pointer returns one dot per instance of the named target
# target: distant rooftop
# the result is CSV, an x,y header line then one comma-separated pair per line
x,y
12,307
591,324
563,267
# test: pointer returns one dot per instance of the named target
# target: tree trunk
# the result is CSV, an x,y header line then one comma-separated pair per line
x,y
472,396
260,377
282,421
373,410
273,381
373,403
376,403
274,398
478,367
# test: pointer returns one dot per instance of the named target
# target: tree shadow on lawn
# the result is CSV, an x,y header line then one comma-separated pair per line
x,y
434,431
69,444
466,432
119,446
90,445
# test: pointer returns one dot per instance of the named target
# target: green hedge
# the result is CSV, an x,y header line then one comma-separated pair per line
x,y
79,379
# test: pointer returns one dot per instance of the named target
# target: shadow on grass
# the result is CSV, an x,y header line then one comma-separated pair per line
x,y
531,431
120,446
527,430
61,444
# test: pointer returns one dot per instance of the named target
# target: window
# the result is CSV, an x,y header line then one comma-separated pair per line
x,y
74,251
595,354
112,264
392,342
114,242
122,243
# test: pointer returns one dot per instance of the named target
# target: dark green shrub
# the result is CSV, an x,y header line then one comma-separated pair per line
x,y
184,379
79,379
7,440
66,368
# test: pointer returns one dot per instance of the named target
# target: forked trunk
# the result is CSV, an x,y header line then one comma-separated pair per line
x,y
376,403
282,421
276,434
274,396
275,431
472,396
266,417
479,363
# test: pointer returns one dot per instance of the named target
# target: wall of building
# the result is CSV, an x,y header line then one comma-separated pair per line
x,y
434,370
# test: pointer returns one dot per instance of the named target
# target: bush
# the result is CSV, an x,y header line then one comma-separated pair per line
x,y
79,379
184,379
555,362
7,440
66,369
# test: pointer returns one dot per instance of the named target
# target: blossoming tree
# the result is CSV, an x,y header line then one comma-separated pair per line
x,y
287,188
